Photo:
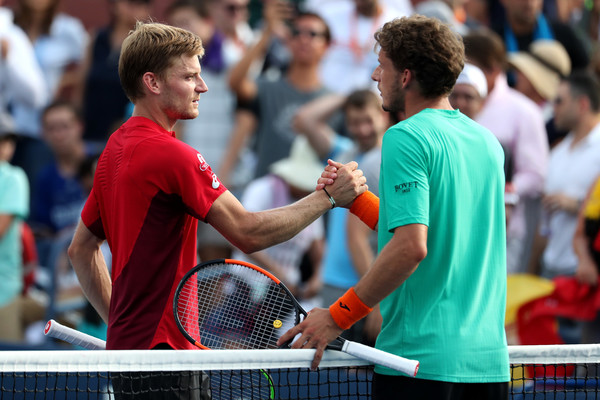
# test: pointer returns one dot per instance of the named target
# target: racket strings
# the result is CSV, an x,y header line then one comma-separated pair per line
x,y
230,306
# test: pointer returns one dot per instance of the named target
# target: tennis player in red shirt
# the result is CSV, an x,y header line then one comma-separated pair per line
x,y
150,189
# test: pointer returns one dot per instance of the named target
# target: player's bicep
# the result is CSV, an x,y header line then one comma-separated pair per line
x,y
230,218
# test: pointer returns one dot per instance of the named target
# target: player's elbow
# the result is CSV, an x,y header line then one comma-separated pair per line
x,y
414,252
74,252
248,236
419,252
249,246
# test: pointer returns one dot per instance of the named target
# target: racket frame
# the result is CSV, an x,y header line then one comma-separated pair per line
x,y
409,367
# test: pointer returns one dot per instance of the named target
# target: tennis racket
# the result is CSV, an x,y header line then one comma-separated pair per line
x,y
70,335
232,304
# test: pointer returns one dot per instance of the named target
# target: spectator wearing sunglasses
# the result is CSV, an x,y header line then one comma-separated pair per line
x,y
274,102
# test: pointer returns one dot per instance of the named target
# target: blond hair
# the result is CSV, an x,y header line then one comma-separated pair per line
x,y
152,47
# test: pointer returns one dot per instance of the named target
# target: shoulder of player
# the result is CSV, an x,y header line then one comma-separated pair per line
x,y
160,149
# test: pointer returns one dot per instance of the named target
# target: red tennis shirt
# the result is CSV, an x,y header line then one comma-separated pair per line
x,y
149,191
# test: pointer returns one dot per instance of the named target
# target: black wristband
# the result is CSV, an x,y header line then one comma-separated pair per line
x,y
331,200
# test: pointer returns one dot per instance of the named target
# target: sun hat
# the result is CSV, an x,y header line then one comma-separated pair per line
x,y
472,75
544,65
302,168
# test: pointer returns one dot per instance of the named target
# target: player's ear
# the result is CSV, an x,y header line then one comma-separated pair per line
x,y
407,78
151,82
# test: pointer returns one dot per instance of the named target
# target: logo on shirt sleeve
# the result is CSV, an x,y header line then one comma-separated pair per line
x,y
203,163
406,187
215,181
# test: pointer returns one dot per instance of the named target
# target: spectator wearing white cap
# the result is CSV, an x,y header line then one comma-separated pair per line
x,y
470,91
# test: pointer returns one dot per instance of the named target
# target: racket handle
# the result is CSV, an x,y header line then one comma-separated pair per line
x,y
69,335
383,358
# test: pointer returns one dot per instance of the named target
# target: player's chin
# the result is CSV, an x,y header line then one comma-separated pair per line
x,y
189,115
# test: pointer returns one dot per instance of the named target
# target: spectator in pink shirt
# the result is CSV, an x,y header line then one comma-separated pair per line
x,y
519,125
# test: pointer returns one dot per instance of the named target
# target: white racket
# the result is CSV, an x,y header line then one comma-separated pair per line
x,y
70,335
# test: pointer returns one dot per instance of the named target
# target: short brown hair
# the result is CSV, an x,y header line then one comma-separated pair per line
x,y
152,47
426,47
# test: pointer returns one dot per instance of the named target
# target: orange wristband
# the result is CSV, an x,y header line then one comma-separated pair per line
x,y
348,309
366,207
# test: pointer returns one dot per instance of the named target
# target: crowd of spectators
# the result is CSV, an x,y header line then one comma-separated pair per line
x,y
289,88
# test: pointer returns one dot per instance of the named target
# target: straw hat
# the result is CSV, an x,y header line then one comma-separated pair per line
x,y
302,168
472,75
544,65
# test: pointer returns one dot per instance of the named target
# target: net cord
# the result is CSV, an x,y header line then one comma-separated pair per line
x,y
167,360
555,354
183,360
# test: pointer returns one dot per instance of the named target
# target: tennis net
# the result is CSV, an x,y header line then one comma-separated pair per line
x,y
562,372
162,374
538,372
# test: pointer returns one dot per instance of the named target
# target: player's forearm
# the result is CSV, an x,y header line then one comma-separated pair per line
x,y
96,285
394,265
278,225
89,265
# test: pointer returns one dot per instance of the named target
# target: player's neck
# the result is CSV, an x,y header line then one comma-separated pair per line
x,y
416,104
154,114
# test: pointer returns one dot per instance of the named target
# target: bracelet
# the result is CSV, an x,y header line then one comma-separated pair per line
x,y
366,207
348,309
331,200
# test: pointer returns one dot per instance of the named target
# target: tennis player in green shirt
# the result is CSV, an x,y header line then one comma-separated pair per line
x,y
440,275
